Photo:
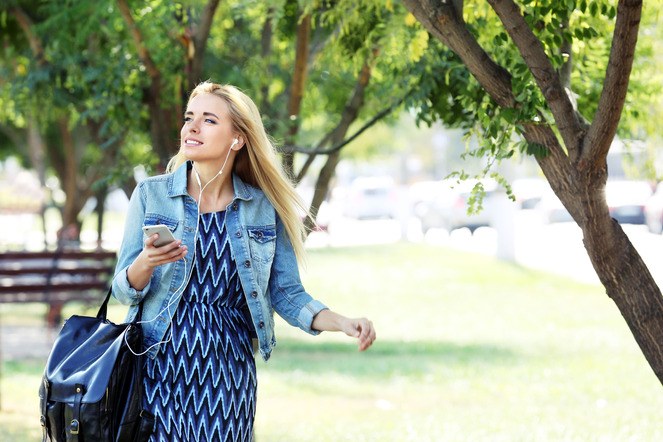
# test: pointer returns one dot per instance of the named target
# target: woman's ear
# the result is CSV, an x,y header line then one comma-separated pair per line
x,y
239,144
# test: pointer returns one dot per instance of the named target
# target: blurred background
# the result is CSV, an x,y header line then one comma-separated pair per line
x,y
492,325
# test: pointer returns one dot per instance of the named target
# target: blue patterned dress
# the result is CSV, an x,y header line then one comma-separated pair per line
x,y
202,384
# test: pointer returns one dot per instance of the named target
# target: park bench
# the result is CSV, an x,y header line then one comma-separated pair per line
x,y
55,277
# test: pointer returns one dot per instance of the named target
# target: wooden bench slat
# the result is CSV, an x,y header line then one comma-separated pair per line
x,y
18,271
55,277
51,297
54,288
65,254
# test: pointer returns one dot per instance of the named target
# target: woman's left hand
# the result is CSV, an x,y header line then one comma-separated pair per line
x,y
360,328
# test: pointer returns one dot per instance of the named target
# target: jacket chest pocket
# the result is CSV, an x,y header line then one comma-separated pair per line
x,y
152,219
262,242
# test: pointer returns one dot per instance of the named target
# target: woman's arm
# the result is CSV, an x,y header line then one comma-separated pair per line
x,y
141,269
360,328
137,257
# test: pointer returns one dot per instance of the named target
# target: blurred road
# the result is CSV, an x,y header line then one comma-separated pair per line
x,y
555,248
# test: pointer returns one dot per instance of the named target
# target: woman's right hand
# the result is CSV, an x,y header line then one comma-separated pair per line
x,y
153,256
140,271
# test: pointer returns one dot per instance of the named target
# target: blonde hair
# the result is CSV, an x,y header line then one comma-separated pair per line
x,y
257,163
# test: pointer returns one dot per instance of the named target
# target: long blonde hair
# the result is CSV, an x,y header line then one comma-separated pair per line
x,y
257,163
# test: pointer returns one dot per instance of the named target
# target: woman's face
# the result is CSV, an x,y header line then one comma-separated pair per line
x,y
207,132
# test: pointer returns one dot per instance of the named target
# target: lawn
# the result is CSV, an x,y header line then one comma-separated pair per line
x,y
469,349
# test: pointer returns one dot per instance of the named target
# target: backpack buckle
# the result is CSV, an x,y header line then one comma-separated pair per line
x,y
74,426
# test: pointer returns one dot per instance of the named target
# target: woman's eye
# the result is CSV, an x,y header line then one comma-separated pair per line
x,y
186,119
209,120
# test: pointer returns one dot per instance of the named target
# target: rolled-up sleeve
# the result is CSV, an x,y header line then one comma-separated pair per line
x,y
132,245
288,296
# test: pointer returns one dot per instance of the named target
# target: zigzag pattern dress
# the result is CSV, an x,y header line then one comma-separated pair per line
x,y
202,384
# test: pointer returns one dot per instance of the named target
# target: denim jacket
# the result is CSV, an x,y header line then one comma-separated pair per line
x,y
266,263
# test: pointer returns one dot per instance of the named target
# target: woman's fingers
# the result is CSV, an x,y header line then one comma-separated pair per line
x,y
165,254
366,333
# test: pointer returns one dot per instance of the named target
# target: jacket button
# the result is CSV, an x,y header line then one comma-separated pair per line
x,y
234,206
247,263
254,294
238,234
261,324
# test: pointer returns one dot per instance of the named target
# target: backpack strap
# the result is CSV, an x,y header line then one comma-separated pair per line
x,y
75,425
45,394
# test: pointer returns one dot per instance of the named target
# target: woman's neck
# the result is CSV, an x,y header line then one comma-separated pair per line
x,y
217,190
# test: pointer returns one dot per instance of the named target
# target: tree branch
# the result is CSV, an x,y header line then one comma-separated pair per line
x,y
142,50
16,136
603,128
200,37
443,21
297,88
266,36
544,73
26,24
380,115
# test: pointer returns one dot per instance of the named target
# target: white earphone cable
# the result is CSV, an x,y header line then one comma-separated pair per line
x,y
172,298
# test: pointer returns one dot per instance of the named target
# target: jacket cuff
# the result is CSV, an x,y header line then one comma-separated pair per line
x,y
124,292
307,314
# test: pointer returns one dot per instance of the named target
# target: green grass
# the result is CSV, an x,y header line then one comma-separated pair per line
x,y
468,349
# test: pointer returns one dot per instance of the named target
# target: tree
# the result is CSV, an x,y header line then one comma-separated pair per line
x,y
68,104
525,83
320,57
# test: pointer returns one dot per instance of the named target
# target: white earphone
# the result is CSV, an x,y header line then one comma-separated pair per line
x,y
174,298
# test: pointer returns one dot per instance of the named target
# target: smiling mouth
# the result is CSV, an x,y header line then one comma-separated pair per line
x,y
192,142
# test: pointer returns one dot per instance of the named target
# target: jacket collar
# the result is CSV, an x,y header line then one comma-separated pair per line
x,y
178,181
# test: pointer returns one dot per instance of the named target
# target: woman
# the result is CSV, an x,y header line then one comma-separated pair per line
x,y
211,292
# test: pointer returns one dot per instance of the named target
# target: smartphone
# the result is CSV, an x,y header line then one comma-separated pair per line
x,y
165,235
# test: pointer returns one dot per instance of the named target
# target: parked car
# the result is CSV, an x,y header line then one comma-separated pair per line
x,y
529,191
372,198
449,208
654,210
551,208
626,200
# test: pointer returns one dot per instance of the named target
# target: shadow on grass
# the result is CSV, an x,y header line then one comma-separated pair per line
x,y
385,357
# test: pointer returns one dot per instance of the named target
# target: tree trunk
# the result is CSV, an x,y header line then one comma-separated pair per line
x,y
164,120
577,175
69,177
101,195
164,124
297,90
265,52
349,115
629,283
322,187
37,153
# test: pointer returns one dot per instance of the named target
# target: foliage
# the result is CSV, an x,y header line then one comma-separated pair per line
x,y
449,94
94,76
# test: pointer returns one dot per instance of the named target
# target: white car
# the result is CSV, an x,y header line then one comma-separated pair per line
x,y
449,208
372,198
626,200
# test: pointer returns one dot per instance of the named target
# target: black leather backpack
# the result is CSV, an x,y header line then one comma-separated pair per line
x,y
92,386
